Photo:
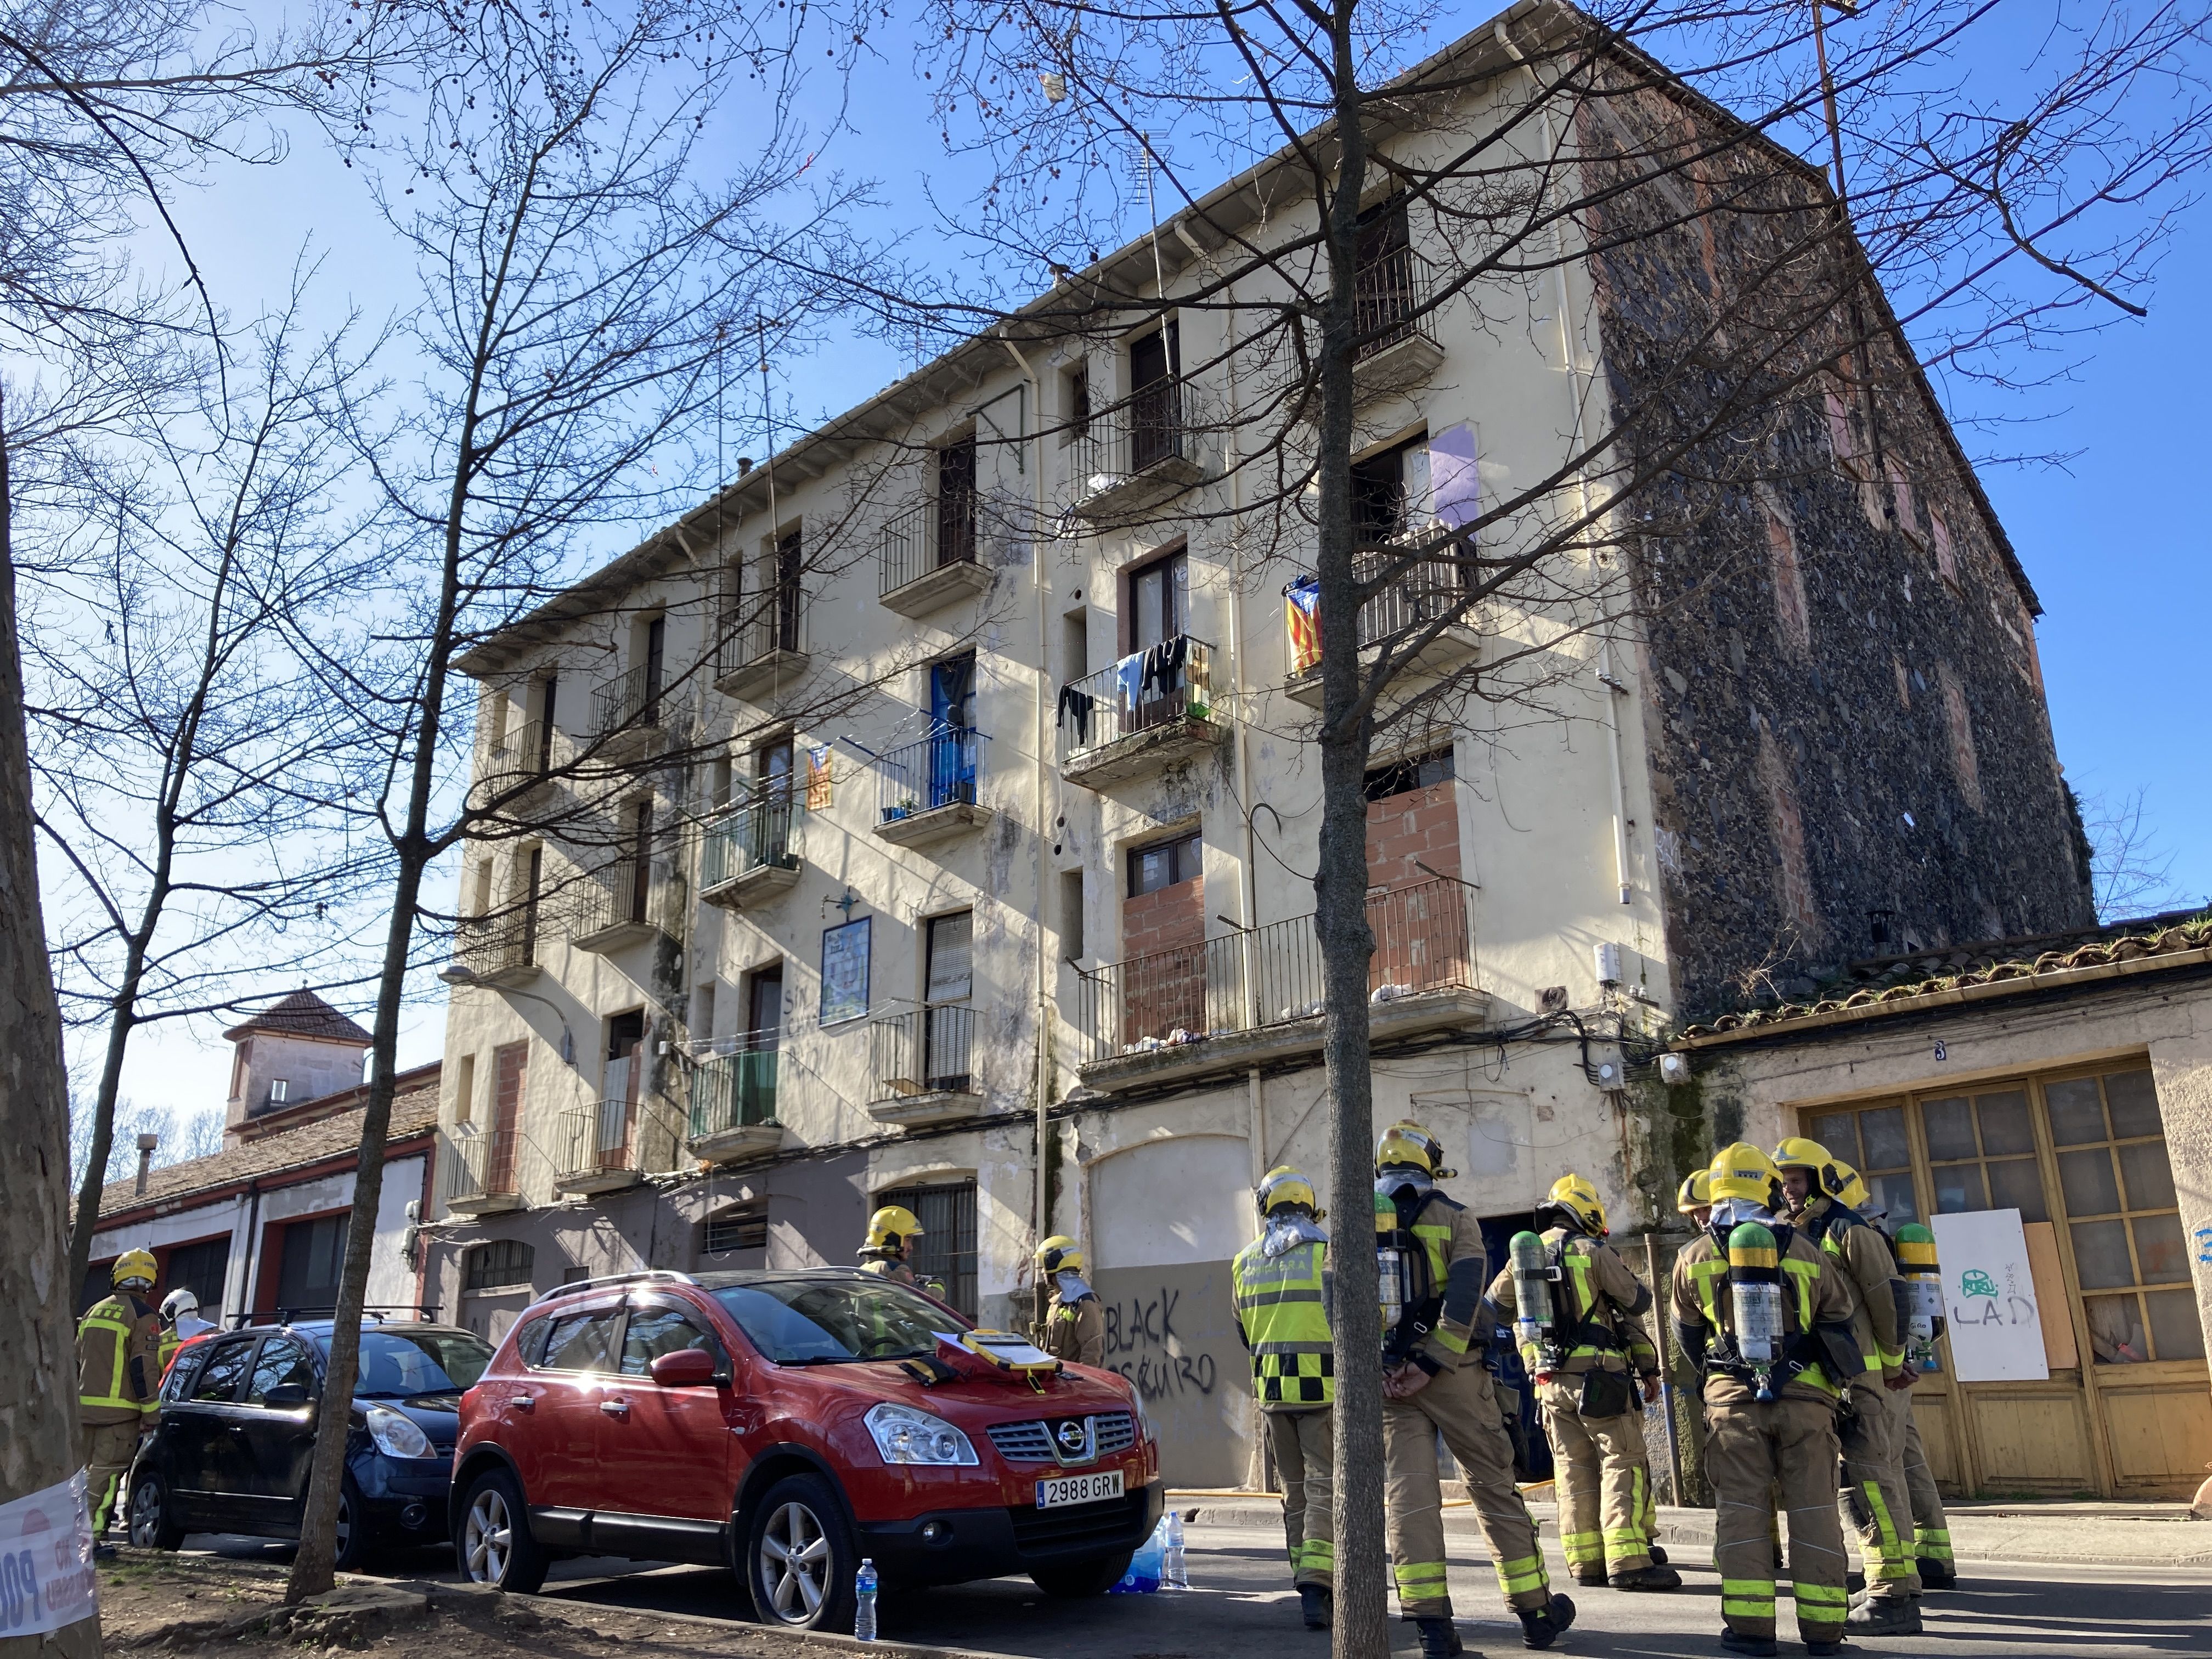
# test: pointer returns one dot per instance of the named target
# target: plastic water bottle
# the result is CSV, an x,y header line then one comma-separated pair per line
x,y
864,1603
1173,1574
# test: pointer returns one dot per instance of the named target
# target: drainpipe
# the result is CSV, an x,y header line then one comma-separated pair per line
x,y
1569,359
1043,866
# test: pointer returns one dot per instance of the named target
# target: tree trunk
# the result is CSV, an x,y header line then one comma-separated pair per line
x,y
39,1443
1361,1627
103,1114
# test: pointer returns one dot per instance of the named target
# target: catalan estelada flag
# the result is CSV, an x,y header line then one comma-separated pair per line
x,y
1302,622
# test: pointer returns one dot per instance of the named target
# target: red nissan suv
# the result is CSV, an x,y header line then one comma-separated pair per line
x,y
786,1424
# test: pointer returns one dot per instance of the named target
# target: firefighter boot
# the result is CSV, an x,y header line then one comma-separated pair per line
x,y
1439,1638
1658,1556
1653,1578
1315,1602
1541,1626
1936,1575
1883,1616
1760,1647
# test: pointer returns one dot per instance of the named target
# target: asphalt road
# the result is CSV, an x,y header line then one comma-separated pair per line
x,y
1241,1608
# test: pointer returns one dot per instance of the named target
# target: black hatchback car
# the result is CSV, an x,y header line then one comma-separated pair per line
x,y
232,1445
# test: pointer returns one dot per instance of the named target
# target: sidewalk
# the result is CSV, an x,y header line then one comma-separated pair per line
x,y
2084,1535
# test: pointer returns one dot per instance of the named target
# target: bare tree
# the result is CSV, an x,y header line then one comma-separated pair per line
x,y
2133,873
589,272
1370,193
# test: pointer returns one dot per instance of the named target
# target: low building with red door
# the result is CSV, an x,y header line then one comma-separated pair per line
x,y
262,1225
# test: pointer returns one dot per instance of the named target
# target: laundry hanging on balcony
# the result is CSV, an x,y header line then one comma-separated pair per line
x,y
1075,709
1302,621
818,781
1161,666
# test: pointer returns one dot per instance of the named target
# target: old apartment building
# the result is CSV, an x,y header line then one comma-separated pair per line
x,y
929,817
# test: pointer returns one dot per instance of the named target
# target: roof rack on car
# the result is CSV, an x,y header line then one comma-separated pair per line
x,y
380,1312
576,1287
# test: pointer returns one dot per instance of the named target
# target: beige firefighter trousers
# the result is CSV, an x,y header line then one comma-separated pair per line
x,y
1461,1406
1873,1487
1750,1451
109,1447
1304,1449
1603,1476
1931,1528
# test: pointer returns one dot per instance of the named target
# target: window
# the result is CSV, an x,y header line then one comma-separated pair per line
x,y
1155,402
789,560
282,1362
1075,390
1075,645
720,778
532,873
946,1250
314,1251
1402,777
1390,491
637,900
955,502
741,1227
1875,1142
203,1269
1160,601
948,1023
656,665
654,1331
496,1266
465,1088
225,1368
2117,1184
1071,915
582,1342
772,769
1164,863
238,1066
1947,560
279,1090
398,1364
830,1321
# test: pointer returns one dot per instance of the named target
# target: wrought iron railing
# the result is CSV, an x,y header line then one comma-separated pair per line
x,y
1416,594
1272,975
1388,293
923,1051
762,625
631,699
744,839
502,943
516,756
610,1136
935,532
736,1090
940,770
1169,682
1115,444
617,893
483,1164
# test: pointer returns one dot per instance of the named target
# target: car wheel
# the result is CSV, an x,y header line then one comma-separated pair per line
x,y
494,1546
1072,1579
350,1549
154,1522
800,1558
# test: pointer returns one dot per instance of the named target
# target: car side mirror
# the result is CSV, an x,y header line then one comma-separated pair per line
x,y
686,1367
286,1397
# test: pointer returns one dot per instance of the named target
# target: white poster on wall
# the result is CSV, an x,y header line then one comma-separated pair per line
x,y
1989,1296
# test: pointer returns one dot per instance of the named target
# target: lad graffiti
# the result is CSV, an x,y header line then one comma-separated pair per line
x,y
1982,1303
1143,1345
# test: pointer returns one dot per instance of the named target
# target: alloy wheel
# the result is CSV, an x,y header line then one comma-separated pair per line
x,y
794,1564
146,1513
488,1536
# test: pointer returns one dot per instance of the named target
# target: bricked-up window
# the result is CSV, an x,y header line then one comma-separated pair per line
x,y
1843,436
496,1266
1908,513
1402,777
947,1248
1947,560
740,1227
1959,727
1791,613
1164,863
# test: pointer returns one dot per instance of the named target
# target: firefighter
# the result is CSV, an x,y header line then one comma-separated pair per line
x,y
1694,1198
891,1232
1931,1528
1873,1424
1583,1338
1762,1314
1281,1283
118,1380
1432,1261
1074,1325
180,1323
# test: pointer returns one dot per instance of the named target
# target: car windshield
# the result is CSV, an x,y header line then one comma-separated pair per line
x,y
826,1321
399,1365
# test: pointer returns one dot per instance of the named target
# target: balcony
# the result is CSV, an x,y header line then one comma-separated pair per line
x,y
621,906
1388,293
919,1068
928,557
1256,997
480,1170
1153,707
733,1102
926,790
610,1145
749,857
626,715
1133,456
502,950
1414,598
517,761
762,653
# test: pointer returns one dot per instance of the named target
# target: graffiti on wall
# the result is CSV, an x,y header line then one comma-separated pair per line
x,y
1142,1345
1171,1330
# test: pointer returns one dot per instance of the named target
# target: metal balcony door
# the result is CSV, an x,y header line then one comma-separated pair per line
x,y
952,749
1155,408
947,1018
756,1067
618,1098
955,502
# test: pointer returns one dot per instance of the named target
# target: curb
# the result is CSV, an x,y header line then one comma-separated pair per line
x,y
799,1641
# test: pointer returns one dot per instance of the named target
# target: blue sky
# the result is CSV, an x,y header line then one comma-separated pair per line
x,y
2125,577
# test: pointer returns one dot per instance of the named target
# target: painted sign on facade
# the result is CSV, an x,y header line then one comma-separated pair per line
x,y
845,971
1988,1297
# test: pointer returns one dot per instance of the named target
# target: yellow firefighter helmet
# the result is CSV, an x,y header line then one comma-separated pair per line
x,y
1850,1187
1059,1255
1796,1152
1578,1198
891,1226
134,1268
1743,1172
1284,1185
1696,1192
1406,1144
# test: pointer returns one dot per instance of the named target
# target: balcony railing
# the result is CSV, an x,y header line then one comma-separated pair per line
x,y
940,770
609,1142
1115,446
628,701
502,945
1388,293
620,895
1147,689
1424,592
483,1169
1272,975
518,756
928,537
926,1051
735,1091
746,838
766,626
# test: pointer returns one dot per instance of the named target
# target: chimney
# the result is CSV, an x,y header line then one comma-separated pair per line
x,y
745,465
147,1143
